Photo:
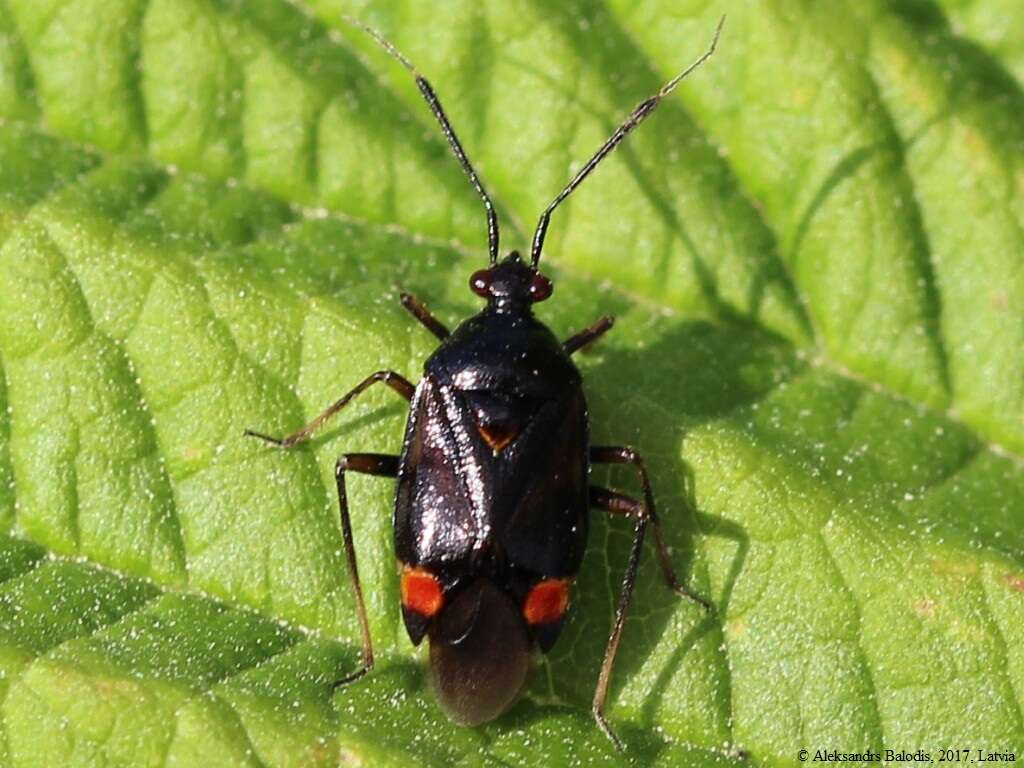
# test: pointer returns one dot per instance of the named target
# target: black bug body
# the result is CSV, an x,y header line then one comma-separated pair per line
x,y
492,497
493,494
467,509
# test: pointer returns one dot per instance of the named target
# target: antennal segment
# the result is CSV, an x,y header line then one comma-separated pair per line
x,y
641,111
446,127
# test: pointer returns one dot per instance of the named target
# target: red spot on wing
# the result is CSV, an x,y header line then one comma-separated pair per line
x,y
421,591
547,602
497,436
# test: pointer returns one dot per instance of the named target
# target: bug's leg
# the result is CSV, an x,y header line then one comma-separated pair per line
x,y
626,594
600,454
419,310
398,383
589,335
613,501
368,464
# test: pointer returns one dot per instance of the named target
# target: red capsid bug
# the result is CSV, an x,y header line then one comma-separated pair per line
x,y
492,510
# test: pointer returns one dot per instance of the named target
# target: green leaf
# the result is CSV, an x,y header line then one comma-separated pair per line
x,y
814,249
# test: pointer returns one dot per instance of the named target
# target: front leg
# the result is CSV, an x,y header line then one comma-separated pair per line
x,y
419,310
589,335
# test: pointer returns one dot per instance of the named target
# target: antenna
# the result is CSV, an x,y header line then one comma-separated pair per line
x,y
641,111
446,127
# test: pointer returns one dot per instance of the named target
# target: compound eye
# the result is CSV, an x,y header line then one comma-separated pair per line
x,y
480,283
540,287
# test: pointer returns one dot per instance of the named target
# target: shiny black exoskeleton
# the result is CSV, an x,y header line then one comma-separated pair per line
x,y
492,493
492,508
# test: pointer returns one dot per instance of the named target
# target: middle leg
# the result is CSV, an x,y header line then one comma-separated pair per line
x,y
368,464
419,310
395,381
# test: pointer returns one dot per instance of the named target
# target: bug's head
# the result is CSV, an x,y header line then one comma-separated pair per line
x,y
479,654
510,284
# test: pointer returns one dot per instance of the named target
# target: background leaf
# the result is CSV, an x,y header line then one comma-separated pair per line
x,y
814,250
